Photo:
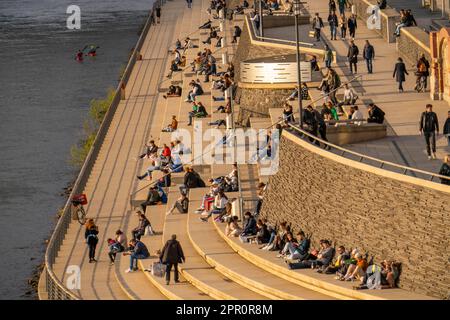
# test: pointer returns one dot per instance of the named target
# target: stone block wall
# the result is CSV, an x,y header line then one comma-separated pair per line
x,y
386,217
411,43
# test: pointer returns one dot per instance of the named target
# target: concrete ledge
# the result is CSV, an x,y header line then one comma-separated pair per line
x,y
275,21
351,133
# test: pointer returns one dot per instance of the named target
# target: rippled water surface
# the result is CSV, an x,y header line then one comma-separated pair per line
x,y
44,97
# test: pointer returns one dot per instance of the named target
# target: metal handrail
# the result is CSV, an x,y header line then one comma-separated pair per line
x,y
55,288
382,163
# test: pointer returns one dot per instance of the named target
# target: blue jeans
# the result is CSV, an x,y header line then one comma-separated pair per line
x,y
328,63
333,32
397,30
341,9
134,258
369,65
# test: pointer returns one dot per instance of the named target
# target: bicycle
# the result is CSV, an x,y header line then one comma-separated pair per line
x,y
420,83
77,202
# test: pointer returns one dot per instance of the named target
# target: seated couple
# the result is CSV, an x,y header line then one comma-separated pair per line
x,y
155,196
198,111
220,206
314,259
174,91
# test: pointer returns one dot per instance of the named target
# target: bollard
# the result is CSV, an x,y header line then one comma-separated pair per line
x,y
222,26
224,58
223,42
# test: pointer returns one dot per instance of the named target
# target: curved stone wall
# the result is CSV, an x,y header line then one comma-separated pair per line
x,y
389,215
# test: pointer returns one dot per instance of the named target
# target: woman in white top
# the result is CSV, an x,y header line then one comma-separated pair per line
x,y
357,115
220,202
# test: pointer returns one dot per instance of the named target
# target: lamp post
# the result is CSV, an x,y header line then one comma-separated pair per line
x,y
297,11
261,32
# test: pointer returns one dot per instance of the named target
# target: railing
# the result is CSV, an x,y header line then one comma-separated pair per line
x,y
55,288
361,157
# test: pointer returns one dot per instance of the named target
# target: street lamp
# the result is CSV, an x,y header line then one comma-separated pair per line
x,y
297,11
261,28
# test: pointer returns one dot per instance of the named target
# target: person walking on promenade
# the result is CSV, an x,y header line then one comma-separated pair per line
x,y
91,236
429,127
328,57
331,6
343,25
445,170
333,23
446,129
171,255
158,14
341,5
189,3
352,56
352,25
369,55
317,25
399,73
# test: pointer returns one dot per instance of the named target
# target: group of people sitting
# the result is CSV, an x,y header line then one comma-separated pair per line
x,y
168,159
297,253
406,20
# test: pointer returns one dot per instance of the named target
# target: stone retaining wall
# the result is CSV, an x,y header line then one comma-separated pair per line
x,y
356,206
412,43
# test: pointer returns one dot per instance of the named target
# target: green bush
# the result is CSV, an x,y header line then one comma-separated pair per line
x,y
97,111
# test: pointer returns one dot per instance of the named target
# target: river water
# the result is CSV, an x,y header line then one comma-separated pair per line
x,y
44,97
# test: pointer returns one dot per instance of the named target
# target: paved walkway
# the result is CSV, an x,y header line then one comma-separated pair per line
x,y
113,175
404,145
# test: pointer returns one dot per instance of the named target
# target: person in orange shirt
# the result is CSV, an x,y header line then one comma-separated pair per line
x,y
172,126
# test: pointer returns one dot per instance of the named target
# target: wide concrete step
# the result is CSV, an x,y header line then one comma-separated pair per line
x,y
224,259
198,274
325,284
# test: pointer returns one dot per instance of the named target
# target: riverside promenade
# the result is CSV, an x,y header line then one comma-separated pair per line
x,y
114,173
216,267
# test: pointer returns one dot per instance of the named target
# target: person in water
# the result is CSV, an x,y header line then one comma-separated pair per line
x,y
79,56
93,51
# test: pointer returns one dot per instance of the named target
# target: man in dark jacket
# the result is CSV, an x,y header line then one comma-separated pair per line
x,y
153,197
429,126
191,180
369,55
236,34
317,25
376,115
333,23
171,255
249,227
352,25
352,56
